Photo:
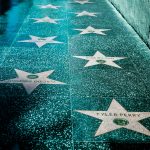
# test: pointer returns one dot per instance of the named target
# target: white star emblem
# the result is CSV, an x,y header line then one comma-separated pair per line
x,y
85,13
45,19
83,2
92,30
99,58
117,117
40,41
49,6
31,81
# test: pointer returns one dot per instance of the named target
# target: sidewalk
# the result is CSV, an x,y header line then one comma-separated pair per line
x,y
76,76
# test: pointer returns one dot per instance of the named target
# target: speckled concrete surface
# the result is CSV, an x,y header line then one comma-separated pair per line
x,y
77,83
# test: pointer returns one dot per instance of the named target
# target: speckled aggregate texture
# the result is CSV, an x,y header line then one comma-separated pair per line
x,y
55,97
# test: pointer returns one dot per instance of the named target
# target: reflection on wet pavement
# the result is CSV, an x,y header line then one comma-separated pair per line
x,y
12,16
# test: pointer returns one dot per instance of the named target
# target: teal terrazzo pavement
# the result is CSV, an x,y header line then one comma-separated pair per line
x,y
46,145
52,98
45,29
39,14
123,45
37,61
107,83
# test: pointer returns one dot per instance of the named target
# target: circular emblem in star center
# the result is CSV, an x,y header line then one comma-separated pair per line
x,y
32,76
121,121
100,61
41,40
91,31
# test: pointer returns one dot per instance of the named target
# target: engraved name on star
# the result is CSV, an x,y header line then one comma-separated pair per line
x,y
41,41
49,6
86,13
82,2
99,58
45,19
32,81
116,117
91,30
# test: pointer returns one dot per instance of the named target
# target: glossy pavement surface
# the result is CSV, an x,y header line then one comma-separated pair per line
x,y
140,21
55,97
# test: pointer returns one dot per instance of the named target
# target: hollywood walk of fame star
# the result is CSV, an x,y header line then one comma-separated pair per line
x,y
99,58
117,117
86,13
82,2
41,41
92,30
31,81
49,6
45,19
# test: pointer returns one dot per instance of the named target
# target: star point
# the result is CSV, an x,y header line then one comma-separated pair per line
x,y
99,58
45,19
117,117
41,41
83,2
31,81
86,13
49,6
91,30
